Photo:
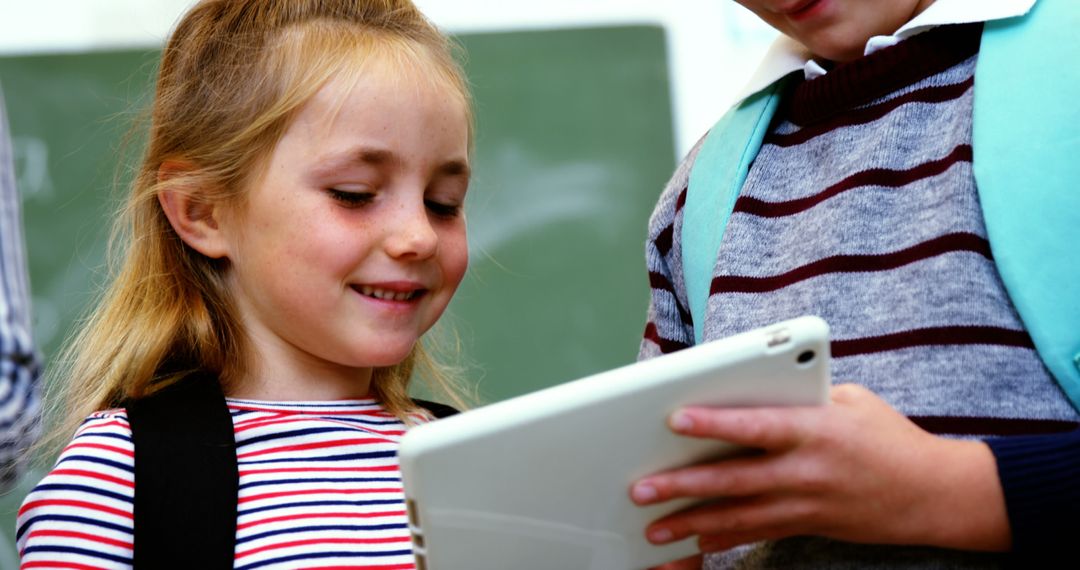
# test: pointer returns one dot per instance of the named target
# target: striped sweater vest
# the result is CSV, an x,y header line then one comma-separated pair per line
x,y
861,207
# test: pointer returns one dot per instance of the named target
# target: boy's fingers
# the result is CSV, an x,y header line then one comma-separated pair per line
x,y
736,477
728,523
720,543
765,428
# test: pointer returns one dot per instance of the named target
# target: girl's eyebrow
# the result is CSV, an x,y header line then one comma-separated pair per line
x,y
456,168
354,157
333,164
381,157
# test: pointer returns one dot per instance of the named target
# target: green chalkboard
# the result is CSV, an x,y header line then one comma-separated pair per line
x,y
574,143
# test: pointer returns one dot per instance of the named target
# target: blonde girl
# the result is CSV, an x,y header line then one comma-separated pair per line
x,y
295,227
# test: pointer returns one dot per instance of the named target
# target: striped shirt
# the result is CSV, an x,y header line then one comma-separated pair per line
x,y
19,364
861,207
319,488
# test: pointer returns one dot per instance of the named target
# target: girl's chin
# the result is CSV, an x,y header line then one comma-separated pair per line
x,y
388,358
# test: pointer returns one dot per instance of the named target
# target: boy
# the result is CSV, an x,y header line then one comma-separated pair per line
x,y
864,204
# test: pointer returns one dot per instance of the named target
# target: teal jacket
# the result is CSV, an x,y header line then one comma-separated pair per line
x,y
1027,168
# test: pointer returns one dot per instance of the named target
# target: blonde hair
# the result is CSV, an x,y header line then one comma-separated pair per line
x,y
232,76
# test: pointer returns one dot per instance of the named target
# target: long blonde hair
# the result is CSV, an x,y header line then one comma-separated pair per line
x,y
232,76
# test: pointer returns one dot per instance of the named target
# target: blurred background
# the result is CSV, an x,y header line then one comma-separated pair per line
x,y
583,110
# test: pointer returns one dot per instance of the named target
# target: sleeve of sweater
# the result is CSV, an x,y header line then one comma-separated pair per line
x,y
669,327
1040,476
20,414
19,364
81,514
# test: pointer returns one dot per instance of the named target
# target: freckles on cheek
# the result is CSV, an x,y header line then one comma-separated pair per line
x,y
338,251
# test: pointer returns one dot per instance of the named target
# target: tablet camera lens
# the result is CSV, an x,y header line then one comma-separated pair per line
x,y
806,356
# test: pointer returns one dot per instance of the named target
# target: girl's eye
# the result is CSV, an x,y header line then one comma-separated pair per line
x,y
349,198
443,210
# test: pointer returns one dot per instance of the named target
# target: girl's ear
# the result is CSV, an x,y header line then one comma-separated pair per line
x,y
196,220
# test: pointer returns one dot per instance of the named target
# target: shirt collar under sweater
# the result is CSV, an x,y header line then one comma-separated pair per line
x,y
787,55
852,84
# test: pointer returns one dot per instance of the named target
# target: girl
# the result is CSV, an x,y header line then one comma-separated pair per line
x,y
295,227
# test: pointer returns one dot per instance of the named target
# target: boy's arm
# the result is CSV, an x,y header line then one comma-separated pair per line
x,y
1040,477
669,327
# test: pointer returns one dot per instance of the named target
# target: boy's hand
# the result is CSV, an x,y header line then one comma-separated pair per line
x,y
855,470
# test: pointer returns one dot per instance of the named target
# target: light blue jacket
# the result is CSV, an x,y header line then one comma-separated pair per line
x,y
1027,168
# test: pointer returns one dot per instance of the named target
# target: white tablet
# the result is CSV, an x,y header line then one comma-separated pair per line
x,y
541,481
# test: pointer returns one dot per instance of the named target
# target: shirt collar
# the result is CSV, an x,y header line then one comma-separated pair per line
x,y
787,55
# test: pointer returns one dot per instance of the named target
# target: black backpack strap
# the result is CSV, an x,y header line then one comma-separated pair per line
x,y
438,410
186,478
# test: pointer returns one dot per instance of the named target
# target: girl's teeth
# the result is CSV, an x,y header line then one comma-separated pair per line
x,y
385,295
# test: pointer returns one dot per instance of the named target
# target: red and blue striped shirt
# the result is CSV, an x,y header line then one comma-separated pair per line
x,y
319,488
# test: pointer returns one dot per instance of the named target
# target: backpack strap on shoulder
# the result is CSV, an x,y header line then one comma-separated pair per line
x,y
716,178
438,410
186,477
1026,146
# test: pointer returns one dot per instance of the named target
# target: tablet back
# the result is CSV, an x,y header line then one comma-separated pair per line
x,y
541,481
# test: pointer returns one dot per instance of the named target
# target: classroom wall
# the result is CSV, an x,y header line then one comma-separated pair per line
x,y
713,45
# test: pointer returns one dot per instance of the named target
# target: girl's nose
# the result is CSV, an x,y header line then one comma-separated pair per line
x,y
411,235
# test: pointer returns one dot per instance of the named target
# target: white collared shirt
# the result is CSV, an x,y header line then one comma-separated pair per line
x,y
787,55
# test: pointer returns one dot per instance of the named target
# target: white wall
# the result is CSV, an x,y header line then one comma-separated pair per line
x,y
713,44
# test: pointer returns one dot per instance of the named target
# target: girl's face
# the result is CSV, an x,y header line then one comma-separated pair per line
x,y
836,29
351,244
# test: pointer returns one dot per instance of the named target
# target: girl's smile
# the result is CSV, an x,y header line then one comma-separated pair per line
x,y
401,292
